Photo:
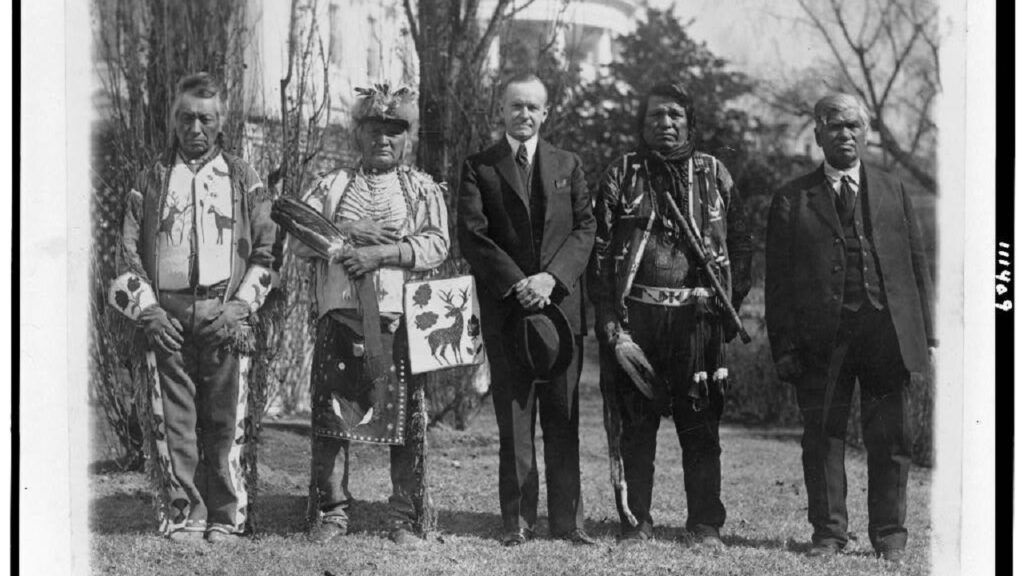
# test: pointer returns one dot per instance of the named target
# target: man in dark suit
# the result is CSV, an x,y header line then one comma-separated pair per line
x,y
848,297
526,227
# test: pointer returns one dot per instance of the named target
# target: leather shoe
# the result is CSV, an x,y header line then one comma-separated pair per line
x,y
405,538
823,550
516,537
707,537
578,537
326,530
892,555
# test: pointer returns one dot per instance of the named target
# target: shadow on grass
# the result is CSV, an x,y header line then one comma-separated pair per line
x,y
123,513
485,525
787,434
111,466
488,525
602,528
285,515
280,514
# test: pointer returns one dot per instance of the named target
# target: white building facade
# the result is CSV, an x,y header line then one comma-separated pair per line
x,y
367,41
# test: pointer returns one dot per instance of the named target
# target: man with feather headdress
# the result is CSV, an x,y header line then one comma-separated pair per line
x,y
394,227
661,327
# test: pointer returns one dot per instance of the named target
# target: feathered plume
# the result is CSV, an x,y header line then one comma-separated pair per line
x,y
382,102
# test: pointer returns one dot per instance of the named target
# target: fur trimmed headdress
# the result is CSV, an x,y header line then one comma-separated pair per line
x,y
380,102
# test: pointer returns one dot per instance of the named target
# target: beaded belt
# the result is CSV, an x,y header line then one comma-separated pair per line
x,y
667,296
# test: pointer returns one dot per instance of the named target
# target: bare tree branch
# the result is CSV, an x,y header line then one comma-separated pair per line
x,y
556,24
928,33
490,30
898,63
468,15
823,30
891,145
883,18
498,18
414,30
512,14
859,52
889,59
924,123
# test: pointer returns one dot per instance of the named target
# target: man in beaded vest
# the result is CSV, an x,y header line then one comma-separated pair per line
x,y
654,302
848,297
396,226
198,255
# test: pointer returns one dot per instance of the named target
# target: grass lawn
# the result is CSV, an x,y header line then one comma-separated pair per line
x,y
766,530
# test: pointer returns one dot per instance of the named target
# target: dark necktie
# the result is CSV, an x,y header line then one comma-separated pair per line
x,y
535,196
847,197
523,162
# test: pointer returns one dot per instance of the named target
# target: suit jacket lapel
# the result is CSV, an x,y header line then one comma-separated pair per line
x,y
874,189
544,161
510,172
822,200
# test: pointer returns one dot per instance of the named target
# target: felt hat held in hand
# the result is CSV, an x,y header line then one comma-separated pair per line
x,y
540,343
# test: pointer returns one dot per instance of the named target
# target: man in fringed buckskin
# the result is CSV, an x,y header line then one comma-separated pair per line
x,y
395,223
661,327
198,256
848,297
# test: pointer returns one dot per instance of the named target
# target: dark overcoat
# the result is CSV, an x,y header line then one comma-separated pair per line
x,y
497,238
805,268
495,232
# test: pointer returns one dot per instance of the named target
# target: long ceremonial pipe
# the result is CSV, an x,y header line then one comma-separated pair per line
x,y
705,262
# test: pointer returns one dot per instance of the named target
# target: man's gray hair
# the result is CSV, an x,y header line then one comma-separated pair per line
x,y
201,85
839,102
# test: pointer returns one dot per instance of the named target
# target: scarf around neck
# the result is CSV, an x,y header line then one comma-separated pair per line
x,y
672,166
678,154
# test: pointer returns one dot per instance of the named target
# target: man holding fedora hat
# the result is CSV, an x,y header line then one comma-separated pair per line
x,y
526,228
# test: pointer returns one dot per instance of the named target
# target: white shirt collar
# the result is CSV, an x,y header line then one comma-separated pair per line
x,y
834,175
531,146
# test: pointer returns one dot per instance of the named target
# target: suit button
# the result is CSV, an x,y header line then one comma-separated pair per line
x,y
836,240
837,268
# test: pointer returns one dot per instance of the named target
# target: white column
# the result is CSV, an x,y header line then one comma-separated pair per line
x,y
603,52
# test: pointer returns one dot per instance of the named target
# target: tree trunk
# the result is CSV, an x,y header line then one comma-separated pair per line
x,y
890,145
435,72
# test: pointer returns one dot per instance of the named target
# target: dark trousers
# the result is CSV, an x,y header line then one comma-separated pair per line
x,y
409,501
516,401
867,351
201,402
662,333
331,469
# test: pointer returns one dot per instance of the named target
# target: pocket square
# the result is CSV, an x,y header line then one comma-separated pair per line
x,y
561,183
